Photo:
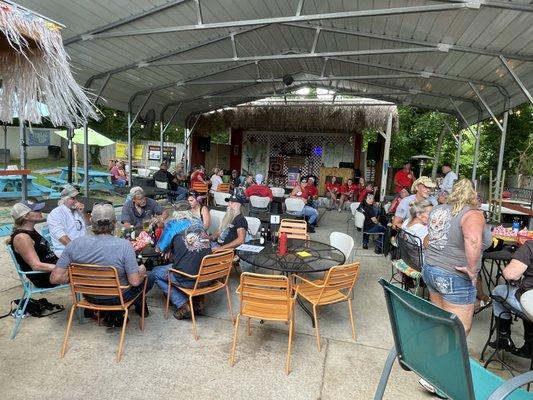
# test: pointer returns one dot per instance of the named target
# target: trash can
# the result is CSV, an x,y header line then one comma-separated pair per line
x,y
54,152
5,156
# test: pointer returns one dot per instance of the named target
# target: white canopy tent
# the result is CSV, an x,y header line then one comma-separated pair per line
x,y
471,59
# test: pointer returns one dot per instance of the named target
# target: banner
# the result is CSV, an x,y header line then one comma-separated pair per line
x,y
121,151
39,137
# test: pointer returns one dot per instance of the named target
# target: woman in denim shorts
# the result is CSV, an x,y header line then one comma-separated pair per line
x,y
457,236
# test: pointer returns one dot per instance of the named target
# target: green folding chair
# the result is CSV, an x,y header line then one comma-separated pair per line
x,y
28,290
432,343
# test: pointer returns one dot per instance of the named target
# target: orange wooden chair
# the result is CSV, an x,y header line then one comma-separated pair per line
x,y
223,187
336,286
265,297
202,189
215,268
94,280
294,228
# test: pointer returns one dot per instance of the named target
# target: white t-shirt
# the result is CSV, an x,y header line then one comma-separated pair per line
x,y
447,182
215,181
418,230
402,211
63,221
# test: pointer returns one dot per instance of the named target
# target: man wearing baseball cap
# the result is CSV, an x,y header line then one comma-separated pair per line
x,y
421,188
31,250
139,208
104,249
233,228
67,221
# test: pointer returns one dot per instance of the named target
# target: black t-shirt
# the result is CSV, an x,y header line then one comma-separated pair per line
x,y
164,176
45,254
238,222
189,248
525,255
368,210
236,182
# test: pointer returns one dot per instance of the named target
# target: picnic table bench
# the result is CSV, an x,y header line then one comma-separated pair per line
x,y
11,185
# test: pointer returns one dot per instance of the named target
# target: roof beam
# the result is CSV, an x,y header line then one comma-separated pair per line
x,y
138,64
293,56
292,18
505,5
123,21
450,47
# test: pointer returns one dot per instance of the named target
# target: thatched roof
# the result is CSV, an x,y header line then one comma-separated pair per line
x,y
310,118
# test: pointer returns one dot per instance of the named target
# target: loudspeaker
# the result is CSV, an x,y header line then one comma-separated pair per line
x,y
204,143
372,152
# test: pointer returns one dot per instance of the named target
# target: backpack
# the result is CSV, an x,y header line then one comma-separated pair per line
x,y
35,308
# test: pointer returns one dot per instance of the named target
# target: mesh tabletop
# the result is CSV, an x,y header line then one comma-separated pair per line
x,y
321,256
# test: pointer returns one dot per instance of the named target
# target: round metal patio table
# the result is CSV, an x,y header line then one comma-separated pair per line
x,y
321,258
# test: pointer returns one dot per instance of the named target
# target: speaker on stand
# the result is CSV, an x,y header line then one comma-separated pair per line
x,y
204,143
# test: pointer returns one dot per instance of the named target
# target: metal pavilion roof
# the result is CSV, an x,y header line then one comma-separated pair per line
x,y
199,55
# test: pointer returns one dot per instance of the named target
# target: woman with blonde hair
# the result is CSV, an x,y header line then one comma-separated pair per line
x,y
457,236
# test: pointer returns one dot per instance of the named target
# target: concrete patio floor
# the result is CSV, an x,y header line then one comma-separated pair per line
x,y
165,361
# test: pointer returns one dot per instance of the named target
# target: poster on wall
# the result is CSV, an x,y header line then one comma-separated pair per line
x,y
121,151
39,137
154,153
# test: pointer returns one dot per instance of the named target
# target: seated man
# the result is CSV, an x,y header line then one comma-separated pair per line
x,y
235,180
258,189
311,214
233,227
177,193
67,221
139,208
104,249
188,245
520,269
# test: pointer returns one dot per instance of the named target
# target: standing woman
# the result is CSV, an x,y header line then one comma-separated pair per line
x,y
457,236
198,209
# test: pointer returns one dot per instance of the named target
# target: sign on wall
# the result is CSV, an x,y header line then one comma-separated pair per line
x,y
154,153
39,137
121,151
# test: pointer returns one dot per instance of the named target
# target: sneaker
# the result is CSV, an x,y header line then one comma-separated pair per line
x,y
310,229
138,310
365,246
183,312
377,251
339,210
431,389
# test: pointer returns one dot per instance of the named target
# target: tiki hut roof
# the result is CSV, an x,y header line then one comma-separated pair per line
x,y
308,118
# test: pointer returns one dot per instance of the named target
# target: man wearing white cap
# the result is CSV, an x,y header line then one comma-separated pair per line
x,y
421,188
139,208
258,189
67,221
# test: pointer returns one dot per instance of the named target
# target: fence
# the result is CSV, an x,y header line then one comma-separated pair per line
x,y
109,152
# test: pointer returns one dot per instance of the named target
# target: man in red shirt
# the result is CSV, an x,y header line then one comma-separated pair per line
x,y
348,192
301,191
312,192
198,175
258,189
332,191
404,178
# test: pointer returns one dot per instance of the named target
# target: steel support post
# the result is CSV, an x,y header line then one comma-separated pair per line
x,y
186,160
129,150
70,134
476,153
517,79
23,144
161,145
500,156
86,158
458,155
486,106
385,171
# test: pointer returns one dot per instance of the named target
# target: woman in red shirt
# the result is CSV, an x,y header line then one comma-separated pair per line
x,y
332,191
348,192
198,175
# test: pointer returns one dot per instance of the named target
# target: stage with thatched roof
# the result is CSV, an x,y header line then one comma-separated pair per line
x,y
279,139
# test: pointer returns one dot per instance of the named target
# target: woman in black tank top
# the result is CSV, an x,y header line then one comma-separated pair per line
x,y
199,210
31,250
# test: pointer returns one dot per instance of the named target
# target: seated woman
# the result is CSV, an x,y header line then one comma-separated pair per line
x,y
198,209
118,174
32,251
332,192
371,224
417,225
348,193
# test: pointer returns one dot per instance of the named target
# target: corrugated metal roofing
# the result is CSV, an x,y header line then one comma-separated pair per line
x,y
416,52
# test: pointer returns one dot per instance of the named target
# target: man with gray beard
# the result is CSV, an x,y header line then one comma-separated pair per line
x,y
233,228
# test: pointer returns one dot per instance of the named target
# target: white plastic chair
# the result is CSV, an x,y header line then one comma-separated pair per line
x,y
143,172
353,208
294,206
278,192
343,242
253,225
259,204
220,199
161,185
216,219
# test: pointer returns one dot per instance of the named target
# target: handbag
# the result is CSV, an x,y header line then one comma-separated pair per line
x,y
36,308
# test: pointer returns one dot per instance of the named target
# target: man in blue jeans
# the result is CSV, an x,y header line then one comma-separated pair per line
x,y
371,224
301,192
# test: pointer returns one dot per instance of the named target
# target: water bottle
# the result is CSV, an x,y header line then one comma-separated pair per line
x,y
282,249
516,225
262,238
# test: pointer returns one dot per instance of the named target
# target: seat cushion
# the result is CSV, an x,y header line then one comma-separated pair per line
x,y
486,382
401,266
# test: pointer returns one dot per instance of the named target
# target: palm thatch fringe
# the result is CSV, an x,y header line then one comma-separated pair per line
x,y
34,68
313,118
